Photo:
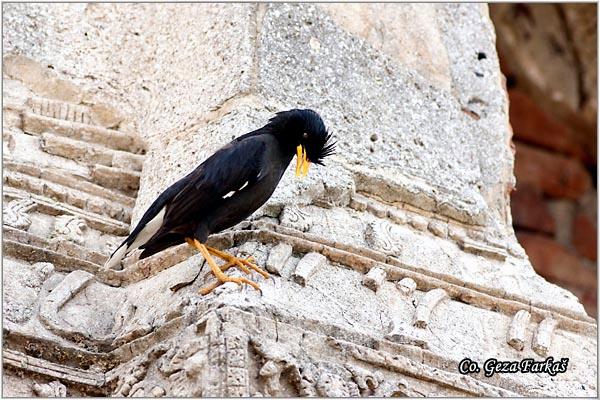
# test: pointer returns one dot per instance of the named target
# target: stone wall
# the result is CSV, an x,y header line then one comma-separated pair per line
x,y
549,52
389,265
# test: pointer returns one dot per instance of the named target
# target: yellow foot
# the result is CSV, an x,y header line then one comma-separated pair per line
x,y
218,271
239,281
240,262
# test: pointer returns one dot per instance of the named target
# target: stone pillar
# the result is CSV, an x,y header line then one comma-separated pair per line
x,y
390,265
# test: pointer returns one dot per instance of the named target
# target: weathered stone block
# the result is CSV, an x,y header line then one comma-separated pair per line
x,y
374,278
278,257
307,267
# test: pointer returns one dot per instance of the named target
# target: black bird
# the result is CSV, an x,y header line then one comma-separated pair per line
x,y
227,188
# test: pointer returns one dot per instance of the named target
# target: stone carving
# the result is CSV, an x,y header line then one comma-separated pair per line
x,y
271,373
426,305
398,388
438,228
294,217
59,110
15,213
307,267
542,338
406,286
330,384
377,209
71,228
380,235
358,202
518,329
66,290
482,249
157,391
182,364
51,389
278,360
130,382
374,278
21,297
397,216
418,222
368,382
278,257
127,328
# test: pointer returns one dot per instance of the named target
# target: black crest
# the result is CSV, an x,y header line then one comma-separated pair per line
x,y
307,128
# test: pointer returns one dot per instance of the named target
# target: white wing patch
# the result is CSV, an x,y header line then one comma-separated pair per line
x,y
229,194
149,230
142,237
243,186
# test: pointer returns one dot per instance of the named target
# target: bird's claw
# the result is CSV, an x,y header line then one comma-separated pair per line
x,y
239,281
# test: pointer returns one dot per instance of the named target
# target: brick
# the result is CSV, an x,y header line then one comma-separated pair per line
x,y
529,210
554,174
555,262
587,297
585,237
532,125
563,214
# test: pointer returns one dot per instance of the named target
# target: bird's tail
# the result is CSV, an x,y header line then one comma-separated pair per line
x,y
116,256
139,237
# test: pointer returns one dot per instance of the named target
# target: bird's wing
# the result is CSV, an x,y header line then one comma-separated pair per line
x,y
231,168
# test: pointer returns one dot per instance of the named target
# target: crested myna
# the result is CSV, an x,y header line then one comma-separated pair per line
x,y
226,188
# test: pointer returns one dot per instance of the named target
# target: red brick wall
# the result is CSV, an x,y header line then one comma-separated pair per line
x,y
554,206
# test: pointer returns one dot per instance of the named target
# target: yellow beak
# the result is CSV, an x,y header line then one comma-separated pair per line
x,y
302,163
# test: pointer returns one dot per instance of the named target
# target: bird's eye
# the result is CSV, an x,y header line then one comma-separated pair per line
x,y
305,135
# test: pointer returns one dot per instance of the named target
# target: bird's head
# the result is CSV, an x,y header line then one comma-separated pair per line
x,y
304,132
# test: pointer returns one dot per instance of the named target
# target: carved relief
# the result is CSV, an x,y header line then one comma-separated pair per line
x,y
398,388
217,363
517,330
70,228
374,278
278,257
308,266
406,286
330,384
21,297
367,381
15,213
51,389
183,365
381,236
237,370
294,217
277,360
59,110
542,338
126,328
426,305
270,372
76,330
131,383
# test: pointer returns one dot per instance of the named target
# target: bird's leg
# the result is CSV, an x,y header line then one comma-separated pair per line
x,y
240,262
225,266
221,277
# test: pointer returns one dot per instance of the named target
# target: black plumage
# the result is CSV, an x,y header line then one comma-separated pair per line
x,y
230,185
